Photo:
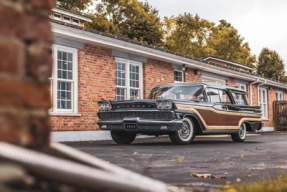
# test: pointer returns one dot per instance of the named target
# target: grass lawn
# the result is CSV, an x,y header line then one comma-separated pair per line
x,y
278,184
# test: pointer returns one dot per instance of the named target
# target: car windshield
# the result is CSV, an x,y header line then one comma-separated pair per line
x,y
193,93
240,98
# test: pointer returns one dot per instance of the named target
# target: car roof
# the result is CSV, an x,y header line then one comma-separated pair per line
x,y
202,83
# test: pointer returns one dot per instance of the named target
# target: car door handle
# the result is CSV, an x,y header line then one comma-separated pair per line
x,y
224,107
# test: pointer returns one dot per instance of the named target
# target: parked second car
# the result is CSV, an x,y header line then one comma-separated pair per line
x,y
182,111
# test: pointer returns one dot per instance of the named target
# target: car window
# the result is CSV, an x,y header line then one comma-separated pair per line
x,y
192,93
240,98
213,95
224,97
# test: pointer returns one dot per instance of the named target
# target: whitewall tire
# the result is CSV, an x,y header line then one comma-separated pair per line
x,y
185,134
241,135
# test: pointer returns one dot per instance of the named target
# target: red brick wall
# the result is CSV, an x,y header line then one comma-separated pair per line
x,y
156,73
190,76
96,82
25,65
271,97
231,82
254,95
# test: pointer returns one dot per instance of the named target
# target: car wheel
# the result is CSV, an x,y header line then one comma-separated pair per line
x,y
185,134
122,137
241,135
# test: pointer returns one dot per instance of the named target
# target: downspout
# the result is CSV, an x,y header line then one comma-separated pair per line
x,y
250,90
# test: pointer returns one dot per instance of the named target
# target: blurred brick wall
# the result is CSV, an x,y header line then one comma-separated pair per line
x,y
25,65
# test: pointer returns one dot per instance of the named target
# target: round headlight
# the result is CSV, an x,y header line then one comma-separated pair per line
x,y
159,104
102,106
108,106
167,105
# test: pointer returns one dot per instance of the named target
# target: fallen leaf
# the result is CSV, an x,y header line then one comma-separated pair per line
x,y
89,153
108,162
225,173
148,167
133,160
183,153
207,176
242,156
135,153
200,157
159,146
180,158
238,180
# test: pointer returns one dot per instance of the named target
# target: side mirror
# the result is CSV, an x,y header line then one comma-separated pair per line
x,y
200,97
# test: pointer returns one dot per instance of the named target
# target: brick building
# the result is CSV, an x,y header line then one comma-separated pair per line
x,y
90,66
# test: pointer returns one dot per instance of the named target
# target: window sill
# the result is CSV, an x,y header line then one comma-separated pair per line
x,y
65,114
265,119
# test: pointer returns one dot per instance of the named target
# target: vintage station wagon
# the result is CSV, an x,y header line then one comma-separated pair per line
x,y
182,111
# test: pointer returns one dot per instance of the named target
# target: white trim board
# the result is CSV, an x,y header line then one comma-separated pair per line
x,y
96,135
267,129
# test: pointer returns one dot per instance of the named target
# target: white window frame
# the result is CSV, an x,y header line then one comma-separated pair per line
x,y
76,20
264,113
127,78
57,18
212,79
239,85
182,75
54,85
67,17
279,93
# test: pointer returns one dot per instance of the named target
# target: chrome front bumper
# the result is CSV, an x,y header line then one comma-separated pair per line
x,y
141,125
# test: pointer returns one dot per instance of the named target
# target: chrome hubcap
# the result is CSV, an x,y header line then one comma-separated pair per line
x,y
184,131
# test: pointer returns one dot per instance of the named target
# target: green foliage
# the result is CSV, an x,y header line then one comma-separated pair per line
x,y
197,37
271,65
278,184
73,5
130,18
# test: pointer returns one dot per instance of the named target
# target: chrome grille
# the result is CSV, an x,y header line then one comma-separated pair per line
x,y
142,115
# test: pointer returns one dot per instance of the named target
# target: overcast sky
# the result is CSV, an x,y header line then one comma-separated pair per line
x,y
263,23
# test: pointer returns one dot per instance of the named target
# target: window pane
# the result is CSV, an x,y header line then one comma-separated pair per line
x,y
65,65
64,95
134,76
120,94
134,94
120,74
178,76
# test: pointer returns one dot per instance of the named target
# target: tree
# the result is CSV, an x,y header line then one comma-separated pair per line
x,y
130,18
73,5
200,38
187,35
271,65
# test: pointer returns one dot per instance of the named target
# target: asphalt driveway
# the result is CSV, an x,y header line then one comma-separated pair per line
x,y
260,156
